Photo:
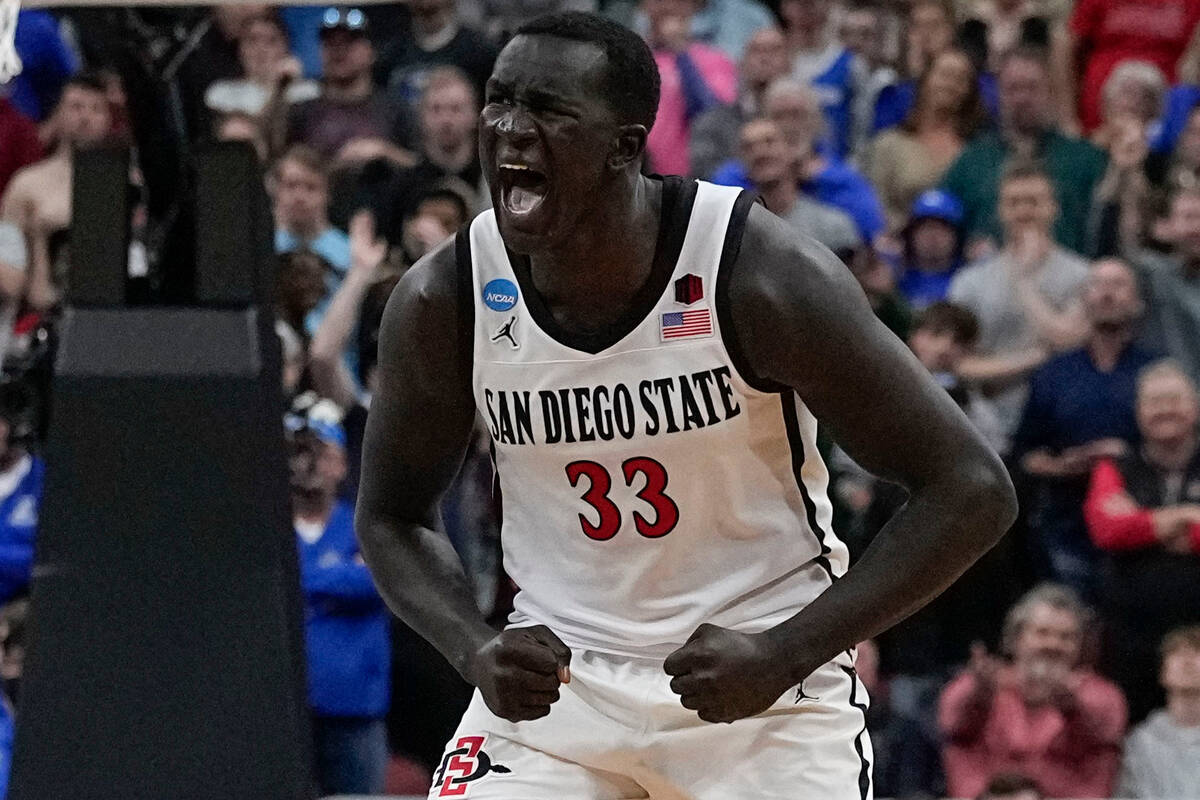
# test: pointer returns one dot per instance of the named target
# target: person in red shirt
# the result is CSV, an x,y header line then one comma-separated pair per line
x,y
19,144
1043,715
1144,510
1102,33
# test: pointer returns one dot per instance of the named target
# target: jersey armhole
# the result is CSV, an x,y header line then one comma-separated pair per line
x,y
729,254
466,299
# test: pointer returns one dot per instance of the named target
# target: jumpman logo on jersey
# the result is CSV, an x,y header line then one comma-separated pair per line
x,y
505,331
801,696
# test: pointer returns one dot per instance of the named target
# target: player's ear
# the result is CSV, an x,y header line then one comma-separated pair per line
x,y
628,146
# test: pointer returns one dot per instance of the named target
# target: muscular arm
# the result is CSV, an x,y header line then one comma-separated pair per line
x,y
417,431
804,323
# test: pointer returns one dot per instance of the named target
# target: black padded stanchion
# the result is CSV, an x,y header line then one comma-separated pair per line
x,y
166,653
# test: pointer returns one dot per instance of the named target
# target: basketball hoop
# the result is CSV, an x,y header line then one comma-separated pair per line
x,y
10,62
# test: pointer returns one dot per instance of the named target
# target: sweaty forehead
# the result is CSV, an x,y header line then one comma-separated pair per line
x,y
551,64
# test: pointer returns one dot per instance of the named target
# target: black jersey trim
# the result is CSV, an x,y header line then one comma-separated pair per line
x,y
791,423
678,197
466,298
864,772
729,253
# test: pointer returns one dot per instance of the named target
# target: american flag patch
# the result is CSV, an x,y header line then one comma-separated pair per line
x,y
687,324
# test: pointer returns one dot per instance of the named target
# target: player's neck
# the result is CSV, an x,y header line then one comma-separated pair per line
x,y
609,259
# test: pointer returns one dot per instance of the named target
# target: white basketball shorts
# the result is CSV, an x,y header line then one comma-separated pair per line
x,y
618,732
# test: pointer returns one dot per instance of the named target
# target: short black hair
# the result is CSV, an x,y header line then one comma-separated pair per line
x,y
632,83
946,316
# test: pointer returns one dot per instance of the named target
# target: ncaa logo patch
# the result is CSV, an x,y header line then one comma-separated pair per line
x,y
500,294
466,763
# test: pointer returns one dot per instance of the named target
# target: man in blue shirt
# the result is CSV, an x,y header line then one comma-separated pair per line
x,y
345,623
1081,409
796,109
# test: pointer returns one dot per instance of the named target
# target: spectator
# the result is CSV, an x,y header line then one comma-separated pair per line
x,y
38,198
46,64
878,282
942,336
862,32
773,173
301,198
1103,33
330,375
300,286
1011,786
350,111
437,38
346,625
1044,714
1081,410
695,78
215,58
19,144
727,25
715,133
796,110
1172,280
1133,94
911,158
1162,755
821,61
21,477
932,248
928,31
1027,131
267,67
449,113
1026,297
442,210
1143,509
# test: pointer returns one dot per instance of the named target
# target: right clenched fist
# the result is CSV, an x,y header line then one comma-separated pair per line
x,y
518,672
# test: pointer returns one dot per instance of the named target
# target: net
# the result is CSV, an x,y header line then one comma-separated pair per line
x,y
10,62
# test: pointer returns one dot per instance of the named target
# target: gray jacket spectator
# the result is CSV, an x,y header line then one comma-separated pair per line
x,y
715,132
1027,297
1162,755
766,156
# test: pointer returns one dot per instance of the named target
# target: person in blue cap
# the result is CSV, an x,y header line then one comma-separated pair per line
x,y
345,624
933,248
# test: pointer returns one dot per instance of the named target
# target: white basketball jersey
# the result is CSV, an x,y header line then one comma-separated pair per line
x,y
646,486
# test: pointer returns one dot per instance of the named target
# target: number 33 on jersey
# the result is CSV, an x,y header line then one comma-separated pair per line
x,y
649,484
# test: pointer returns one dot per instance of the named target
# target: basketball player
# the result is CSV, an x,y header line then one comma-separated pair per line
x,y
650,356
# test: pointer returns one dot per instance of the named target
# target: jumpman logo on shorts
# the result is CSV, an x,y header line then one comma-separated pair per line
x,y
505,331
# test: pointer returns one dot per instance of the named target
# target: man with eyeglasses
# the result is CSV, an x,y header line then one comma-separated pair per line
x,y
351,121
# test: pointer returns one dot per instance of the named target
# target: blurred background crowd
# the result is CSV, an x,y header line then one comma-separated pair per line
x,y
1014,183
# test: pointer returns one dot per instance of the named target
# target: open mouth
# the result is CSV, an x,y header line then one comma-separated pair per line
x,y
522,188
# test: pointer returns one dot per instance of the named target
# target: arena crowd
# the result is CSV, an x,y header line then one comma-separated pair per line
x,y
1014,183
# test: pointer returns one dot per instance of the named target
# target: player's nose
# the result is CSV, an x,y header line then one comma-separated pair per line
x,y
516,125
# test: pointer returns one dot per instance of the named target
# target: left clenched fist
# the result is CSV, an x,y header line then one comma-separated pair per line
x,y
723,675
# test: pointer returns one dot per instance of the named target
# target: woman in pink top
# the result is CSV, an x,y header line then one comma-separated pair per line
x,y
695,78
1043,715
